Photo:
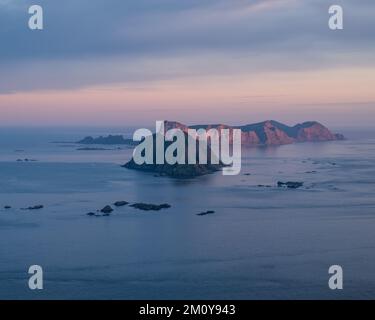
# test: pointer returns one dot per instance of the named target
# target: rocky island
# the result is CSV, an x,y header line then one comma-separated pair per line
x,y
109,140
267,133
271,132
181,171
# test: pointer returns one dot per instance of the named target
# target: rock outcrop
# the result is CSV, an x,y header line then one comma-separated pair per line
x,y
37,207
181,171
109,140
290,184
107,209
120,203
150,207
206,213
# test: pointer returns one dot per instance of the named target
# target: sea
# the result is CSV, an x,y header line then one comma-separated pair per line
x,y
262,242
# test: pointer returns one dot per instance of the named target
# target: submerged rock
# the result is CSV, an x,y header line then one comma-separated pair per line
x,y
290,184
149,207
90,214
107,209
120,203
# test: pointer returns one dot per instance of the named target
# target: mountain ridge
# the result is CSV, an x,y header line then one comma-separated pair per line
x,y
271,132
265,133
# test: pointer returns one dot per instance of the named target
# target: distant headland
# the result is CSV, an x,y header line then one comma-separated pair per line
x,y
270,132
266,133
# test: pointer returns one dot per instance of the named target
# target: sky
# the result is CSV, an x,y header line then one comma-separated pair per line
x,y
132,62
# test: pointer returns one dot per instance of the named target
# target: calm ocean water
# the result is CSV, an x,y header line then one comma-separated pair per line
x,y
261,242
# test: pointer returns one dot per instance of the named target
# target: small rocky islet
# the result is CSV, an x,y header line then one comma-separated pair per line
x,y
109,140
177,171
290,184
106,210
150,207
120,203
206,213
37,207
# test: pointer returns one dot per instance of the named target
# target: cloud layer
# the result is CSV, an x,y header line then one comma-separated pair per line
x,y
95,42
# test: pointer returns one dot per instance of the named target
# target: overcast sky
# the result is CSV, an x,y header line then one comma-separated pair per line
x,y
235,61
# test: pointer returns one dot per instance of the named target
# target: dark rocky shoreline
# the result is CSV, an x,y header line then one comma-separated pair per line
x,y
179,171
